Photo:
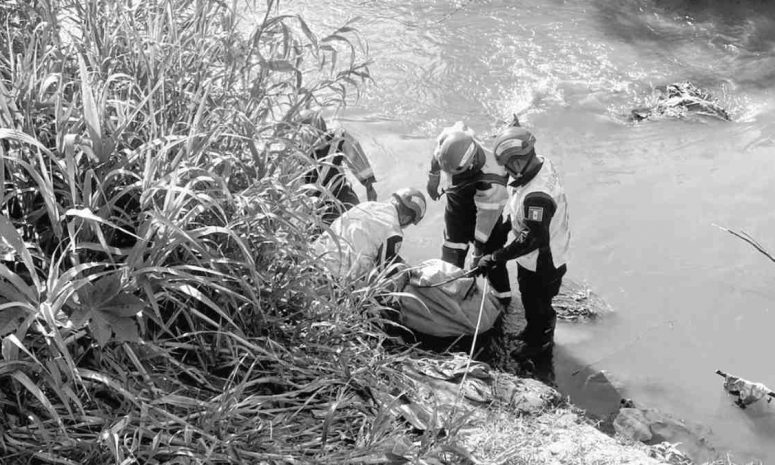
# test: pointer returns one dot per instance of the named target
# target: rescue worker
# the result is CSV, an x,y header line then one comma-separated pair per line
x,y
538,211
331,150
369,235
476,196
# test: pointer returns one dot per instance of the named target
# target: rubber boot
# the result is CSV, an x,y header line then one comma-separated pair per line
x,y
543,368
535,340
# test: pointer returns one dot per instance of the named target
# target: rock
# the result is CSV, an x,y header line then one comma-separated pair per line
x,y
633,424
601,380
651,426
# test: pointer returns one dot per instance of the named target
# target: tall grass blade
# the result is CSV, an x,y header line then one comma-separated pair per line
x,y
38,393
90,112
10,235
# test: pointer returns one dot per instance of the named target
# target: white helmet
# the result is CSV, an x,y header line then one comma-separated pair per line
x,y
412,199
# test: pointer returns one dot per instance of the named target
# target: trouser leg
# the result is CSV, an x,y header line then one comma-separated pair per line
x,y
498,276
454,253
537,293
458,233
347,196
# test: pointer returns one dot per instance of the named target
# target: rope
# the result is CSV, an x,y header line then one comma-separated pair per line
x,y
471,352
467,274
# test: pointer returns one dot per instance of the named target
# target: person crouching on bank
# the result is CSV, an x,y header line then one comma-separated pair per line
x,y
368,237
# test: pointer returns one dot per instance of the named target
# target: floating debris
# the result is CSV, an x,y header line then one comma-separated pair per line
x,y
680,100
577,303
747,392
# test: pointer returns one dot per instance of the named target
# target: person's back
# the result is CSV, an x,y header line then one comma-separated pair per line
x,y
355,244
369,235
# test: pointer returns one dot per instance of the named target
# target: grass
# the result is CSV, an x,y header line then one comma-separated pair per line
x,y
159,300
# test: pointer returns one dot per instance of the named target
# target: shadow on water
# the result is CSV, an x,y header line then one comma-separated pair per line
x,y
735,37
588,388
750,22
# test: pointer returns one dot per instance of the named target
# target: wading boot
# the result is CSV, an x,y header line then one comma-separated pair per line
x,y
524,350
543,368
533,342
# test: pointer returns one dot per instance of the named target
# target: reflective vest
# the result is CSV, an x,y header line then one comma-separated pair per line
x,y
362,238
547,181
339,147
481,197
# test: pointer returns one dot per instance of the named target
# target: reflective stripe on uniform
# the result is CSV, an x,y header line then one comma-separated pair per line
x,y
501,295
490,205
481,236
364,174
456,245
468,155
355,156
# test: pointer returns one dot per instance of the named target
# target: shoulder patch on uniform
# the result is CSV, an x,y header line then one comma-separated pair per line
x,y
535,213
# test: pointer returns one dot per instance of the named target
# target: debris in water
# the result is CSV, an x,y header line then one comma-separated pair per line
x,y
680,100
577,302
747,392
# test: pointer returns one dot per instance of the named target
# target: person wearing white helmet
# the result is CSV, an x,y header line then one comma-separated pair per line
x,y
331,150
369,235
476,196
538,211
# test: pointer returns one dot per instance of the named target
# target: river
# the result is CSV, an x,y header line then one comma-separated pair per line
x,y
688,297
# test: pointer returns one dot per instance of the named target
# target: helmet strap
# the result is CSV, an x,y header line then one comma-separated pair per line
x,y
529,170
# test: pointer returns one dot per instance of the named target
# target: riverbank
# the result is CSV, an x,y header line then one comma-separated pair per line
x,y
160,301
501,418
512,419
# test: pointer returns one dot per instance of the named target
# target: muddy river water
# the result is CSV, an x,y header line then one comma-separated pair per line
x,y
688,297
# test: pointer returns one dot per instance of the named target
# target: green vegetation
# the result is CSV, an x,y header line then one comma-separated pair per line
x,y
158,301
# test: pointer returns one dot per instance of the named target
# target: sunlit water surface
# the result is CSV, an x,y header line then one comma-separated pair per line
x,y
689,298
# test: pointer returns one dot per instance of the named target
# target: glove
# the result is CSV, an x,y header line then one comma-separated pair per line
x,y
485,264
433,185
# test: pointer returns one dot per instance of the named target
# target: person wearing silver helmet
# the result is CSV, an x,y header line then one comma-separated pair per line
x,y
476,195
